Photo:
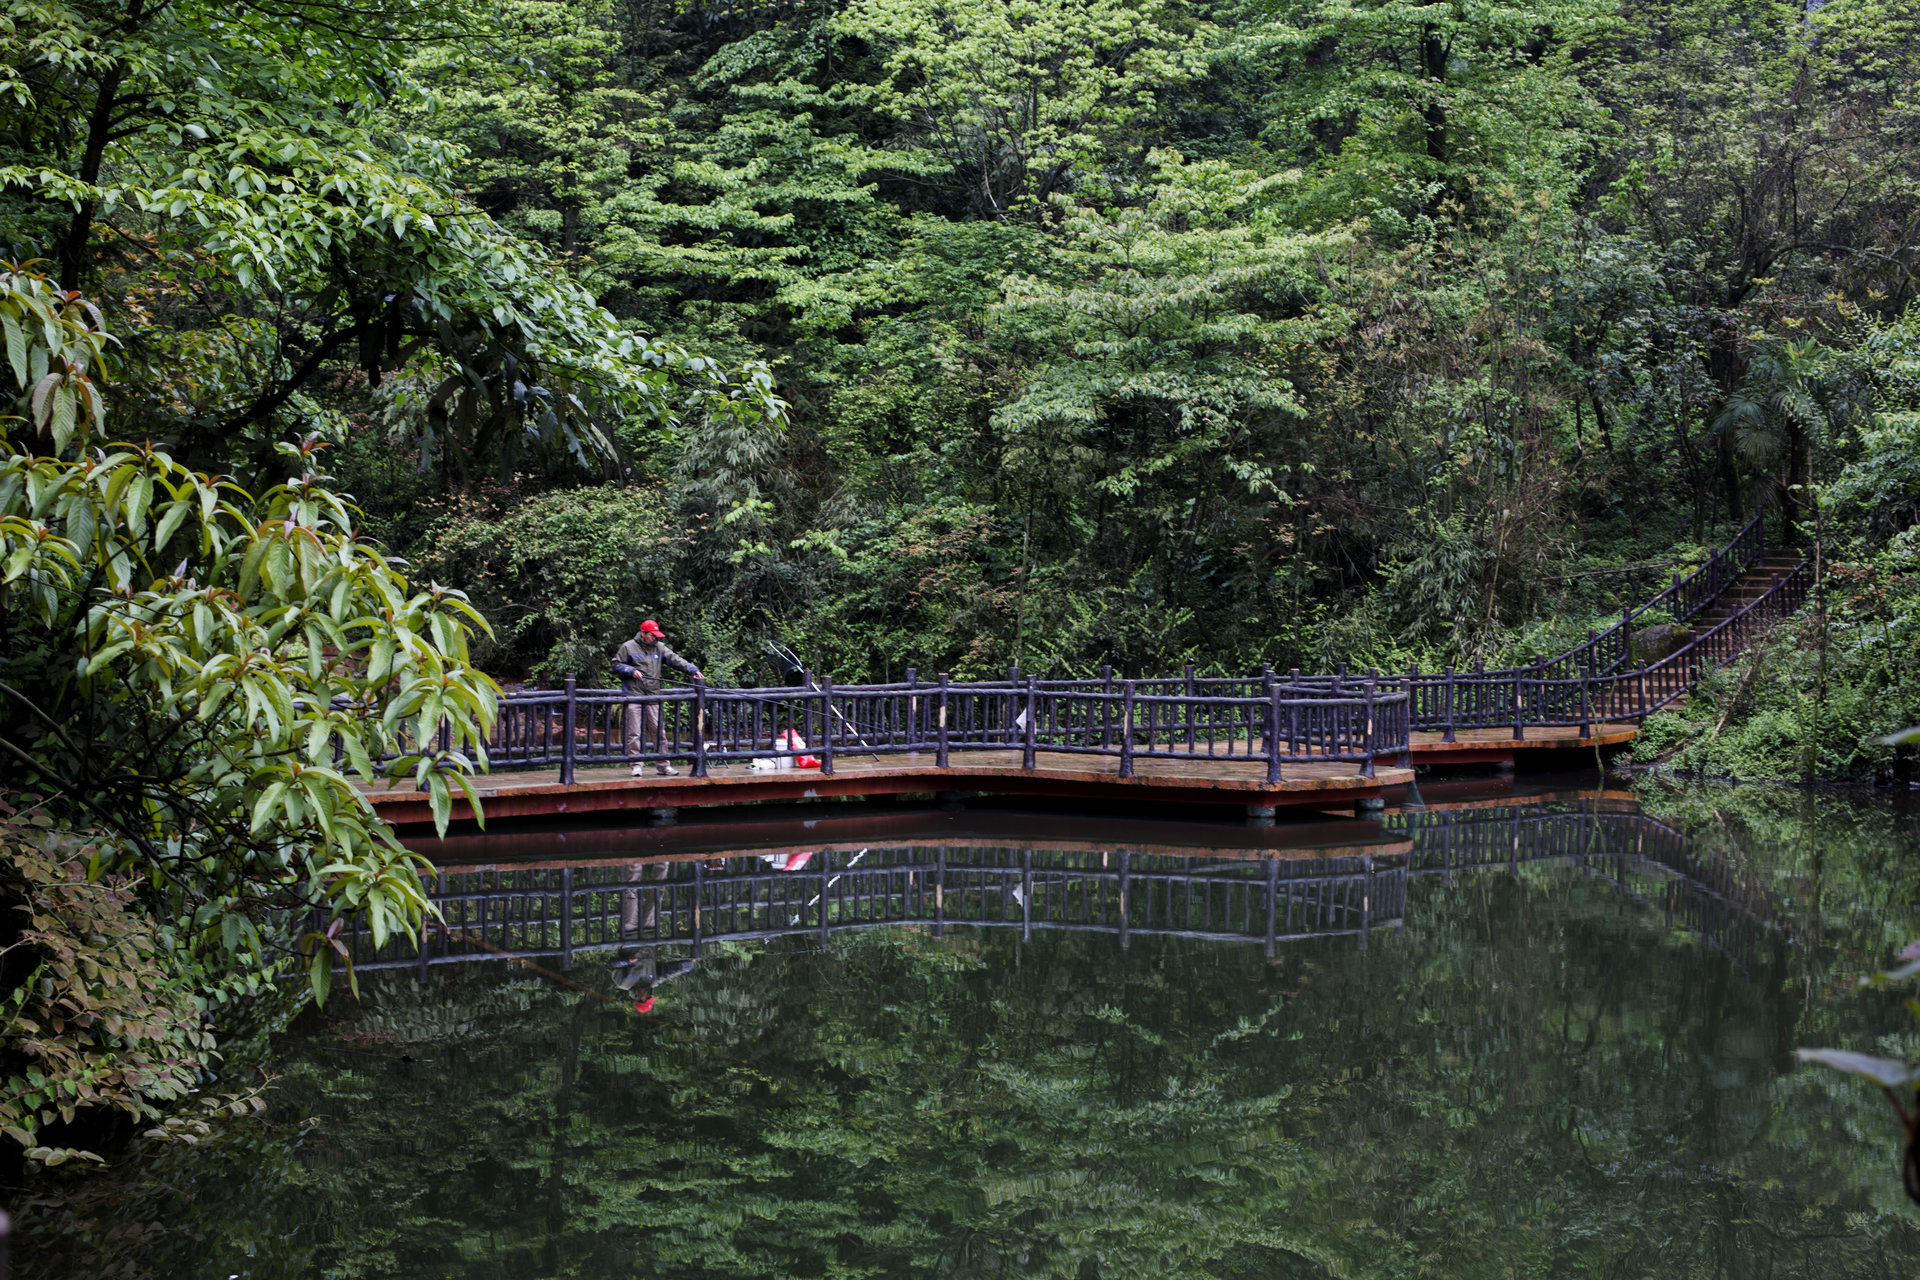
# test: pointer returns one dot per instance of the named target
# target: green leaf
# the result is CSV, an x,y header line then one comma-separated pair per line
x,y
320,974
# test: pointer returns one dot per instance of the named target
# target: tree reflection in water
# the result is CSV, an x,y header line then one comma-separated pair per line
x,y
1573,1060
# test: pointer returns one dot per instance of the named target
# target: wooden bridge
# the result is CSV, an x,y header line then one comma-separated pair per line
x,y
673,905
1264,740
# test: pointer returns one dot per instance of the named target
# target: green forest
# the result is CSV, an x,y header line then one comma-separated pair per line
x,y
362,356
953,335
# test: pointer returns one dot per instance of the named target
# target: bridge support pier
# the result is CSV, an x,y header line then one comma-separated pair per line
x,y
1259,815
1503,768
663,816
1371,804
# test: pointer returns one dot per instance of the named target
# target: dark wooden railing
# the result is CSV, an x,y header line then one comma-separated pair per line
x,y
1240,895
1611,650
1125,720
1269,718
1517,700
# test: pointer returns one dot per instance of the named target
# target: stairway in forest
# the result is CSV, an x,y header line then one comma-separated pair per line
x,y
1747,588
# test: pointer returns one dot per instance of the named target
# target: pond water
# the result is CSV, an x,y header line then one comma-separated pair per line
x,y
1506,1035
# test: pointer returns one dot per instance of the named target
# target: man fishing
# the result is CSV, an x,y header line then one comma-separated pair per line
x,y
638,664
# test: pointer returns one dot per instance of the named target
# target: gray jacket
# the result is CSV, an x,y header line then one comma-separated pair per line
x,y
647,659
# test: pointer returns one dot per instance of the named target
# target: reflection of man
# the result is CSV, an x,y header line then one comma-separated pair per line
x,y
640,969
638,663
632,918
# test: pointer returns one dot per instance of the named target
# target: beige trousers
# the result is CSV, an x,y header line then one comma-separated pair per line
x,y
643,728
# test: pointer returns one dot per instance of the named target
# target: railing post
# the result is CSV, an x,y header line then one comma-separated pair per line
x,y
913,708
1033,715
1293,712
699,726
826,724
1106,705
566,917
1273,732
1406,751
940,733
1586,702
1187,709
1448,735
1366,768
1519,700
1126,729
567,722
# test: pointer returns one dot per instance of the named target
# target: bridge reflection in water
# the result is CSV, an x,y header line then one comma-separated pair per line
x,y
674,906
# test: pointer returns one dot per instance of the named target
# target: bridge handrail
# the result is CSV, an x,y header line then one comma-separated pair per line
x,y
705,725
1451,701
1268,718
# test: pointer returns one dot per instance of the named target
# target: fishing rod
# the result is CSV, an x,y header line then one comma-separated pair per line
x,y
794,666
793,707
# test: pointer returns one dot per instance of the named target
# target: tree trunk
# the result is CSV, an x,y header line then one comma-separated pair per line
x,y
1433,59
72,253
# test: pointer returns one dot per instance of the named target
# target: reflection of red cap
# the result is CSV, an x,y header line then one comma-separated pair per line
x,y
644,1006
651,627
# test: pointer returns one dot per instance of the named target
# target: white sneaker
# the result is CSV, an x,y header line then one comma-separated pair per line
x,y
639,770
666,771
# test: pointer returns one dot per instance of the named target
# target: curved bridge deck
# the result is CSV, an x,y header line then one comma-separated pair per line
x,y
1263,741
1179,781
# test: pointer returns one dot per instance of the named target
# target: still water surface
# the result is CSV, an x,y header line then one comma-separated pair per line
x,y
1544,1036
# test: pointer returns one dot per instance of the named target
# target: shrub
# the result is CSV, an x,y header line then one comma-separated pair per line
x,y
564,575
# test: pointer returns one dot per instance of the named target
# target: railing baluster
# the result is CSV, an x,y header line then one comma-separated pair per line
x,y
940,731
567,732
699,726
827,723
1033,715
1273,733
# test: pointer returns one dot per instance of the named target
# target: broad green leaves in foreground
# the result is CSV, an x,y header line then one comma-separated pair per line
x,y
199,674
256,652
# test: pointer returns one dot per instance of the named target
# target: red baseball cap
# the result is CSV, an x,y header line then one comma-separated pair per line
x,y
644,1006
651,627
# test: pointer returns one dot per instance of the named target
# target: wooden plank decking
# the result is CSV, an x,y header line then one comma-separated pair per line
x,y
1483,746
1187,780
1221,780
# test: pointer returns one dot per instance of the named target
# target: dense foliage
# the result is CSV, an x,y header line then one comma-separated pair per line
x,y
1147,331
1113,330
943,333
189,675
